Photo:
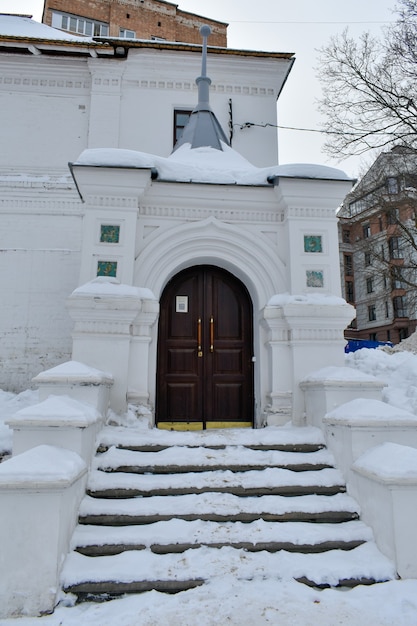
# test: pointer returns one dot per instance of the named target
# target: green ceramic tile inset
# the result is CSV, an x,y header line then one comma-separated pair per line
x,y
314,278
107,268
312,243
109,233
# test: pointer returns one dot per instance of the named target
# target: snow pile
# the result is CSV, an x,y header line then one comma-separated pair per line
x,y
332,373
402,465
44,463
398,370
409,344
109,286
315,299
58,410
363,409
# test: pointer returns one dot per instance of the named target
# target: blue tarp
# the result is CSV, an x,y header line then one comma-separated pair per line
x,y
356,344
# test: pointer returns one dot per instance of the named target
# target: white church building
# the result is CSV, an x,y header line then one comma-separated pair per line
x,y
204,277
157,261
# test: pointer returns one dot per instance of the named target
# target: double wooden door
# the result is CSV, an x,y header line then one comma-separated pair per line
x,y
205,351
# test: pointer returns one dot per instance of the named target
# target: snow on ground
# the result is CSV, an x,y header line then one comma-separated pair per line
x,y
226,600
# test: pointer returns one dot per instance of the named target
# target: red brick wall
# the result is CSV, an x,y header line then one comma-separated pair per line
x,y
150,18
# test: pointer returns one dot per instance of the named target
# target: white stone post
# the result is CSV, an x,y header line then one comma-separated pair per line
x,y
306,333
103,311
40,493
385,484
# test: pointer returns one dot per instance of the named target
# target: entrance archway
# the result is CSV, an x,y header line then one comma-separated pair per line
x,y
205,351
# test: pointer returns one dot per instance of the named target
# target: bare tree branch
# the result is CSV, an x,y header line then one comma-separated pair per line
x,y
370,87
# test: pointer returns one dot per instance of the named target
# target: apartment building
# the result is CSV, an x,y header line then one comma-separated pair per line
x,y
377,236
131,19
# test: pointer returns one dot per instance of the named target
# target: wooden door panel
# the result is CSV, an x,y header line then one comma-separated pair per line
x,y
228,361
182,401
228,403
181,361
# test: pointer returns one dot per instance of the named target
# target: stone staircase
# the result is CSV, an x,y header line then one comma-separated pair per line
x,y
169,511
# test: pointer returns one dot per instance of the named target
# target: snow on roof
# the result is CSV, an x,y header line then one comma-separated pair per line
x,y
27,28
206,165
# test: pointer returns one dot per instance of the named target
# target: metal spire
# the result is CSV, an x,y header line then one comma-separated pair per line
x,y
203,128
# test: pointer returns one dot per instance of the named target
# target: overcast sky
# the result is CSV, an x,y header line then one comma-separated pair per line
x,y
300,26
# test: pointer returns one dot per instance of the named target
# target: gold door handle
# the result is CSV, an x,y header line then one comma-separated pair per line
x,y
211,334
199,349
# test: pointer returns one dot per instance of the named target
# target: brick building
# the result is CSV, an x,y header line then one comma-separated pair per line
x,y
377,231
132,19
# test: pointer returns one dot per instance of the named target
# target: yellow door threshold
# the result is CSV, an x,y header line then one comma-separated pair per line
x,y
200,426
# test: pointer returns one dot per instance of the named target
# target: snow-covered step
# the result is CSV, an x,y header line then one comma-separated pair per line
x,y
235,458
217,507
282,437
178,535
143,570
270,481
171,510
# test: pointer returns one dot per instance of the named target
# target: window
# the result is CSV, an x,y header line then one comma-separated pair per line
x,y
371,313
385,279
349,291
366,231
380,226
369,285
181,117
394,248
392,216
127,34
403,333
346,235
399,305
79,25
386,308
372,337
348,265
388,335
367,258
392,184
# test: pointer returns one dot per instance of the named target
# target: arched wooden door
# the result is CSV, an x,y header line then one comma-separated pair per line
x,y
205,351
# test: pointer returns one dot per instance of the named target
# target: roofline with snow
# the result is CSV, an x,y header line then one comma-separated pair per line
x,y
109,44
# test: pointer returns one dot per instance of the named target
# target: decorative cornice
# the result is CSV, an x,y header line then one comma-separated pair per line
x,y
39,83
187,85
222,214
310,212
